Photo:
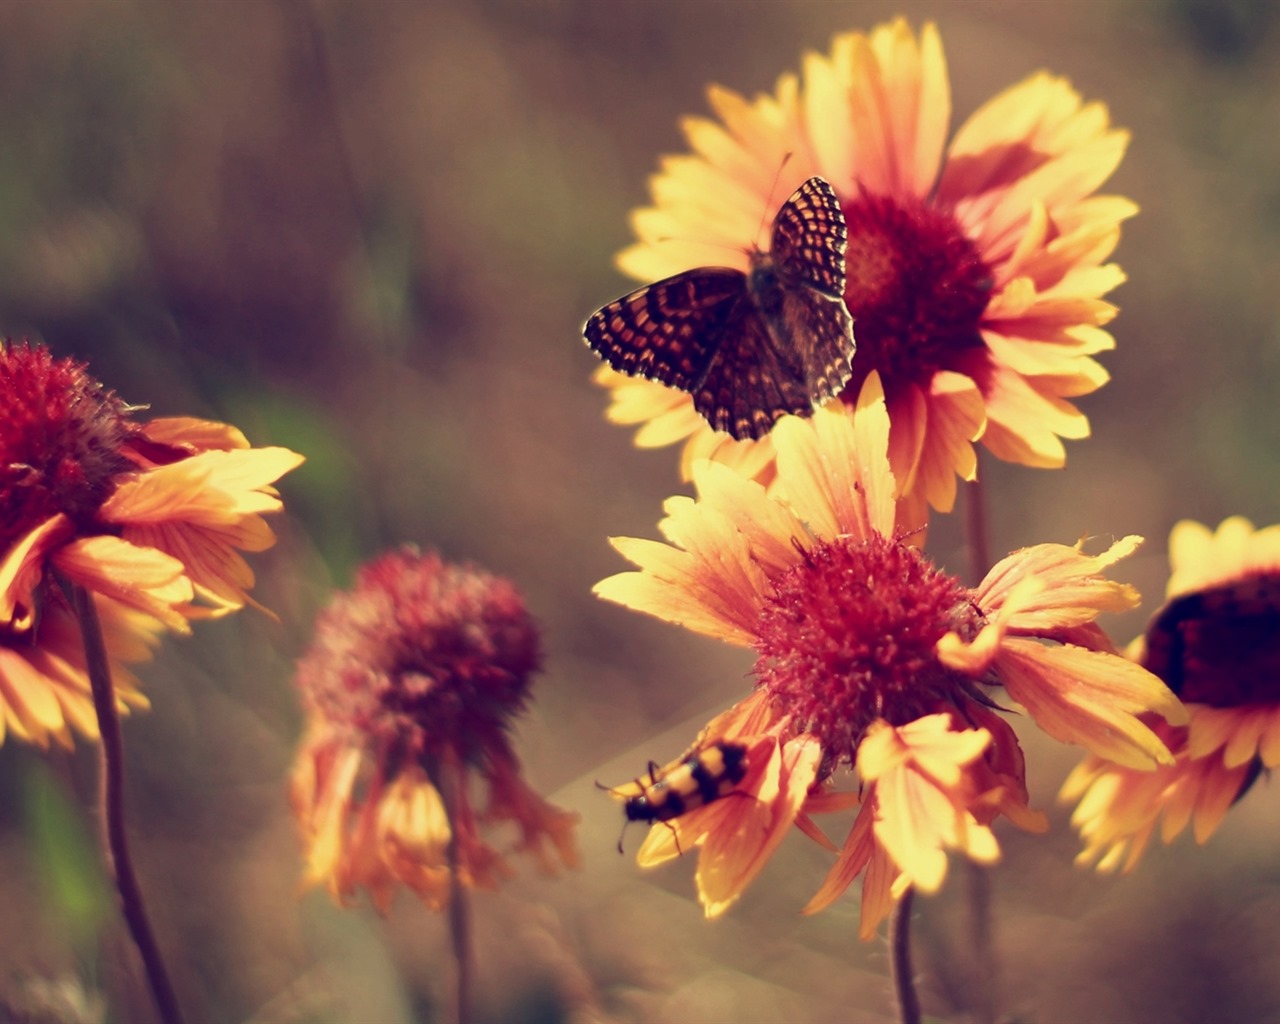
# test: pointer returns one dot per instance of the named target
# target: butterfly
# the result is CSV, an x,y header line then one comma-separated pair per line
x,y
748,347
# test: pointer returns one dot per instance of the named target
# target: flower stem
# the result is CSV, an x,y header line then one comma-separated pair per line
x,y
983,967
448,782
904,982
983,962
121,864
976,530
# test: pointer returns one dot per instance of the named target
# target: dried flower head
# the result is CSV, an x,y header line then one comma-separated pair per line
x,y
147,517
976,267
1216,642
870,658
410,687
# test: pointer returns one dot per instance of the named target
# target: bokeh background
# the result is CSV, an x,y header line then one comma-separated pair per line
x,y
370,231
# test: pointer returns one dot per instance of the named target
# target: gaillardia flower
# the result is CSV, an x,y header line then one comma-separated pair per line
x,y
410,688
975,268
869,657
146,517
1216,642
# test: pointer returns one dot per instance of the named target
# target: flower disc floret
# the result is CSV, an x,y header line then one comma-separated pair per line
x,y
917,289
61,434
421,655
850,634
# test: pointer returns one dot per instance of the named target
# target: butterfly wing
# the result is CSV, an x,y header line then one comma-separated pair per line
x,y
748,349
809,241
669,331
819,331
751,380
810,238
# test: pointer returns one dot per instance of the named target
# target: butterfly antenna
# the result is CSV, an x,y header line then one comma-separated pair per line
x,y
768,203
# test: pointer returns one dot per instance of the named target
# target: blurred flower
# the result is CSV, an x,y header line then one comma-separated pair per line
x,y
414,677
870,657
61,1000
146,517
975,269
1216,642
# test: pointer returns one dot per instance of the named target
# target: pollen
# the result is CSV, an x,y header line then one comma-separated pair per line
x,y
61,439
916,288
423,656
849,635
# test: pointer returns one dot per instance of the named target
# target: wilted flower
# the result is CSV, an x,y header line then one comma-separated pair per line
x,y
1216,642
871,658
410,686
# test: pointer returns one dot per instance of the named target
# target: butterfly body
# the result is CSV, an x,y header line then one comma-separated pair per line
x,y
748,347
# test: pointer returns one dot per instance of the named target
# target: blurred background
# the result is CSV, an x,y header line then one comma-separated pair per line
x,y
371,231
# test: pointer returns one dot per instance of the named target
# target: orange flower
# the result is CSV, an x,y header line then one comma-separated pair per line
x,y
413,677
1216,642
870,657
975,269
146,517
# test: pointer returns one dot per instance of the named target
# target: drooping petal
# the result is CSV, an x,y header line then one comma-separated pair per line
x,y
731,858
922,791
1090,698
140,577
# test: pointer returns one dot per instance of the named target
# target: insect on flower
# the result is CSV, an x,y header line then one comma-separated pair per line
x,y
749,347
698,777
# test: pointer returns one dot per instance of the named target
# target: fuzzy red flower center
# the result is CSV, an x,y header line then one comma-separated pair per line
x,y
423,657
916,289
61,440
849,636
1220,646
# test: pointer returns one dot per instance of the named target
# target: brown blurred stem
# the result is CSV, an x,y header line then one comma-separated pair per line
x,y
121,864
904,982
976,530
983,965
448,782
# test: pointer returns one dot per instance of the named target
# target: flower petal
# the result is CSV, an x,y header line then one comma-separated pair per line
x,y
1090,698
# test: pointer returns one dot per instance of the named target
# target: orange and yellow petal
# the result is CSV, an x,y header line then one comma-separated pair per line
x,y
1238,734
737,834
1090,698
1120,809
919,780
1203,558
713,583
833,469
22,570
45,692
204,509
137,576
547,832
878,109
1074,590
194,435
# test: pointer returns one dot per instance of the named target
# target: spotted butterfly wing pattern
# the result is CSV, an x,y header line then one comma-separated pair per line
x,y
748,347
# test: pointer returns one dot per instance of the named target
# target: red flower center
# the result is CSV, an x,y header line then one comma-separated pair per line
x,y
1221,646
421,657
848,636
61,439
916,289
